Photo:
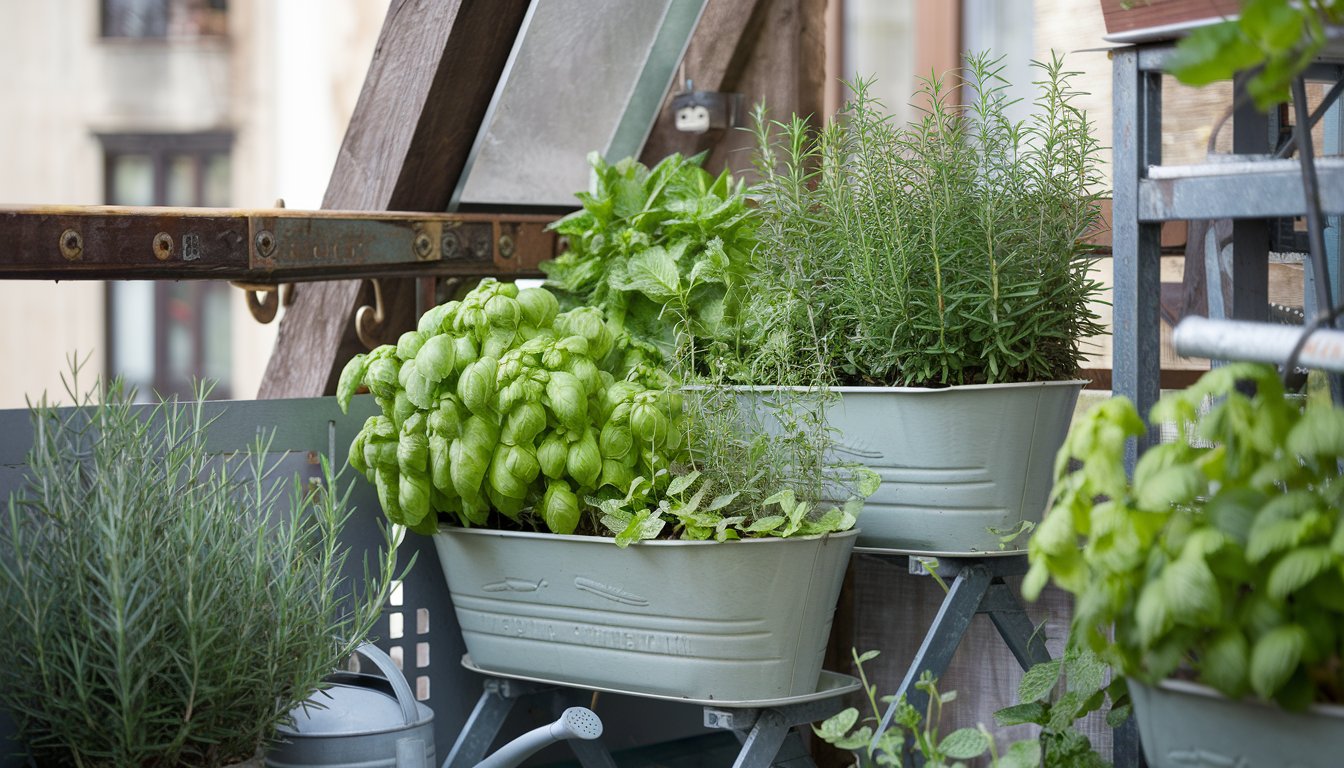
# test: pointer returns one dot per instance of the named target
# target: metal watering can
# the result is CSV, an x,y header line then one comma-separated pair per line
x,y
359,723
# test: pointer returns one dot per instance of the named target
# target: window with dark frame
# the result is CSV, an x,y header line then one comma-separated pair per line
x,y
164,336
150,19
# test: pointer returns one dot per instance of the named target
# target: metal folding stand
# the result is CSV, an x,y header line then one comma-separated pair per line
x,y
766,732
977,586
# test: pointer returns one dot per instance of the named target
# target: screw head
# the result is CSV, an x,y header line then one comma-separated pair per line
x,y
449,246
424,247
265,243
71,244
163,246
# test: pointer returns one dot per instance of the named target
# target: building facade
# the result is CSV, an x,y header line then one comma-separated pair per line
x,y
165,102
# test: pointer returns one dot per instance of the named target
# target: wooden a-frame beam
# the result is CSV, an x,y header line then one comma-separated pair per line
x,y
431,79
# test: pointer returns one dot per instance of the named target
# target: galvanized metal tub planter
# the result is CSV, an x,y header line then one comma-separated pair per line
x,y
1182,724
960,465
740,620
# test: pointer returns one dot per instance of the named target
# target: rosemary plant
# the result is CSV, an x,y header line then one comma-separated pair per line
x,y
162,606
949,251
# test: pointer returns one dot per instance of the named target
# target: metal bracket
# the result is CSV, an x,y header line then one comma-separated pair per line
x,y
266,246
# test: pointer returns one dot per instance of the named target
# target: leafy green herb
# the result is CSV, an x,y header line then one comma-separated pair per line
x,y
950,251
515,428
1273,40
916,733
661,251
1223,557
162,605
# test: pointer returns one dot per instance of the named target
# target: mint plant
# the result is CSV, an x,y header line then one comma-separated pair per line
x,y
1059,744
1085,691
1223,559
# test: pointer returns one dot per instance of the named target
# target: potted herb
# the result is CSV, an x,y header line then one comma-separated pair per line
x,y
1213,579
1272,41
162,605
595,524
909,732
937,276
662,251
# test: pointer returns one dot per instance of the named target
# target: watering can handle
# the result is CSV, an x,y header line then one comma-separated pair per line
x,y
409,711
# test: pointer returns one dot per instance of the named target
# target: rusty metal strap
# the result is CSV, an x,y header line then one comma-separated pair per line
x,y
264,246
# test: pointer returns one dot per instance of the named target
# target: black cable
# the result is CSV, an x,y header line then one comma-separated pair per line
x,y
1315,227
1323,318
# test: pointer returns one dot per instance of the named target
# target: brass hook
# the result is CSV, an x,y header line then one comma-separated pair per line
x,y
369,320
264,299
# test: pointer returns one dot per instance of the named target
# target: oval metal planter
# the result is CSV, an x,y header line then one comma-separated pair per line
x,y
1183,725
737,621
958,464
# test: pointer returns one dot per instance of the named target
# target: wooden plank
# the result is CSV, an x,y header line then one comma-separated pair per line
x,y
433,72
714,60
786,67
773,52
264,246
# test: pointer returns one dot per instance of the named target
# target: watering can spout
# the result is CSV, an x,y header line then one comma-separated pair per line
x,y
575,723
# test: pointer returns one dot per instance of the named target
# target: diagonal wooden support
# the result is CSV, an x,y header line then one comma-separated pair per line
x,y
426,92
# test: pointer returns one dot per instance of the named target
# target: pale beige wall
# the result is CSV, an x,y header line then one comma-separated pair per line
x,y
45,152
285,81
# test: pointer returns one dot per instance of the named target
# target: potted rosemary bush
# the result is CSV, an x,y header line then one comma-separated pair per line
x,y
1214,580
936,275
161,605
596,525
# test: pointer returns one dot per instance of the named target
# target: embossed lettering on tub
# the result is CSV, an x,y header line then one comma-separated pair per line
x,y
615,594
510,584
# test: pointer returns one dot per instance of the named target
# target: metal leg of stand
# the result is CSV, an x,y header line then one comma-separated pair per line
x,y
486,719
591,754
480,731
1015,627
944,635
767,735
977,588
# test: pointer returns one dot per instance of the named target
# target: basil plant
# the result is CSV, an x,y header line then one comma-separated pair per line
x,y
1223,557
500,402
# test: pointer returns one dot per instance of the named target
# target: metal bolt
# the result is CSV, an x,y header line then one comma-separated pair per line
x,y
481,248
506,246
424,247
265,243
71,244
163,246
450,246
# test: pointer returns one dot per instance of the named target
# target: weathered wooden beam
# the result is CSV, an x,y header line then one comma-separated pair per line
x,y
768,51
263,246
715,57
433,72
